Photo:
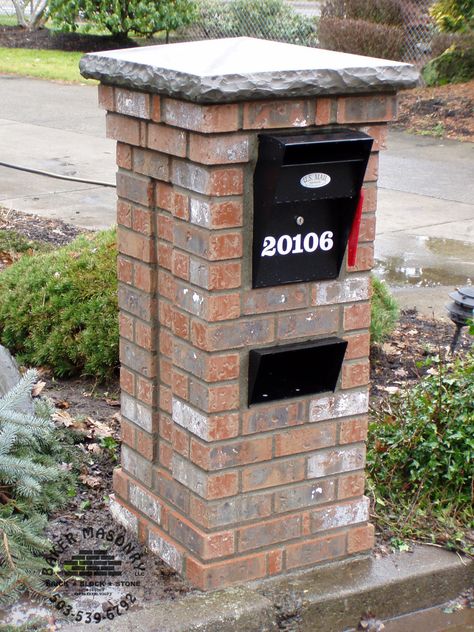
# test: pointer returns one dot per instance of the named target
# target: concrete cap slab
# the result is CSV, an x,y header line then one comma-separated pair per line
x,y
243,68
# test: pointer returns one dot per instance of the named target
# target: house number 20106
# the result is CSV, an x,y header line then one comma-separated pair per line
x,y
298,244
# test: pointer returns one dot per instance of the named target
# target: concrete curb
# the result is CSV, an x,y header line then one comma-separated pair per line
x,y
330,598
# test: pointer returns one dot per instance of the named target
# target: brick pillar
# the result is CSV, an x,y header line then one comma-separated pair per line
x,y
222,492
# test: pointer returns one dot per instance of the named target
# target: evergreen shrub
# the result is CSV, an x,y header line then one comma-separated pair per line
x,y
59,309
384,312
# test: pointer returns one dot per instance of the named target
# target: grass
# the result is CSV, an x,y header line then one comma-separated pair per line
x,y
43,64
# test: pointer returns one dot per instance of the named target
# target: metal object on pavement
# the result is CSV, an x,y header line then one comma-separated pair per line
x,y
461,310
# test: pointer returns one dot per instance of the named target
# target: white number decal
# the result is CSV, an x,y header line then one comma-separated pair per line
x,y
298,244
268,247
326,242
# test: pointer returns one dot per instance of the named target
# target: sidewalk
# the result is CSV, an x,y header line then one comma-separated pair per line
x,y
425,220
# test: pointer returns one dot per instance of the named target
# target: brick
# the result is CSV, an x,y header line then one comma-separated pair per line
x,y
354,288
172,201
378,133
222,367
370,198
146,391
351,485
137,359
135,245
167,551
206,545
173,492
274,562
180,324
126,326
229,511
136,188
221,337
151,163
193,420
270,532
136,465
358,346
124,156
363,109
336,461
208,307
372,170
127,381
166,285
145,336
166,343
360,539
305,439
180,441
124,213
355,374
132,103
120,483
127,433
273,417
218,181
166,397
315,551
219,149
300,496
214,398
123,129
367,228
264,114
279,472
136,302
165,370
227,214
180,265
167,139
141,415
124,270
282,298
144,277
340,515
155,108
357,316
180,384
201,118
106,97
364,258
210,486
233,454
325,111
123,515
145,502
165,455
353,430
212,576
308,323
215,276
164,255
212,246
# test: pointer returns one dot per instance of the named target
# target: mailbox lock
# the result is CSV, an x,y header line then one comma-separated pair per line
x,y
300,220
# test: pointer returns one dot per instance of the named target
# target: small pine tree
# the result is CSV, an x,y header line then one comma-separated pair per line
x,y
31,482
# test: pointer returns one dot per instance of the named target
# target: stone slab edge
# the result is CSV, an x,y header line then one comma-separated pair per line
x,y
247,86
330,598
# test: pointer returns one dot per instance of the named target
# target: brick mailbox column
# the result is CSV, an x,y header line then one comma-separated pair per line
x,y
221,491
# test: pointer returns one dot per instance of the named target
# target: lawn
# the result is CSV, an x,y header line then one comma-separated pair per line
x,y
43,64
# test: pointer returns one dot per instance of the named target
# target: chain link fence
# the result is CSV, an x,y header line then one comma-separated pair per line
x,y
297,22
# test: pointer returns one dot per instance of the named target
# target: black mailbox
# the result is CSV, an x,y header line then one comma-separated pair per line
x,y
306,190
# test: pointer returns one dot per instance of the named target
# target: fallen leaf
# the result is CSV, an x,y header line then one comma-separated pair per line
x,y
390,389
62,404
63,418
112,402
37,389
94,448
90,481
98,427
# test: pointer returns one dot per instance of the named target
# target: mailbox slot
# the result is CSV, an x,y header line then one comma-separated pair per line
x,y
306,188
294,370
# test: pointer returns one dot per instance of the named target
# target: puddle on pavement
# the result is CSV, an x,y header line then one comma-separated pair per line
x,y
423,261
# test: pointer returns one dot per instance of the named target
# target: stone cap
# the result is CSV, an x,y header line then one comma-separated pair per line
x,y
243,68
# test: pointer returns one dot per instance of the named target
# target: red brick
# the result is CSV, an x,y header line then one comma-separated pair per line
x,y
264,114
351,485
135,188
169,140
180,324
172,201
144,277
238,570
223,307
126,326
127,433
220,485
270,532
180,265
219,149
221,337
155,108
136,302
142,220
360,539
372,171
218,181
180,441
281,298
363,109
223,427
358,346
165,371
127,381
120,483
132,103
135,245
166,428
226,214
210,457
145,445
145,336
357,316
124,213
355,374
353,430
275,562
166,285
165,399
279,472
325,111
214,398
180,384
207,546
201,118
165,255
370,199
165,455
124,270
315,551
325,320
229,511
364,259
151,163
166,343
378,133
123,129
305,439
222,367
367,228
164,227
146,391
277,416
124,156
106,97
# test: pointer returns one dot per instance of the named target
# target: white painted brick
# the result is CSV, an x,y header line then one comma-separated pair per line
x,y
136,412
189,475
200,213
341,404
136,465
123,516
191,419
336,461
341,515
143,501
166,551
350,290
132,103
